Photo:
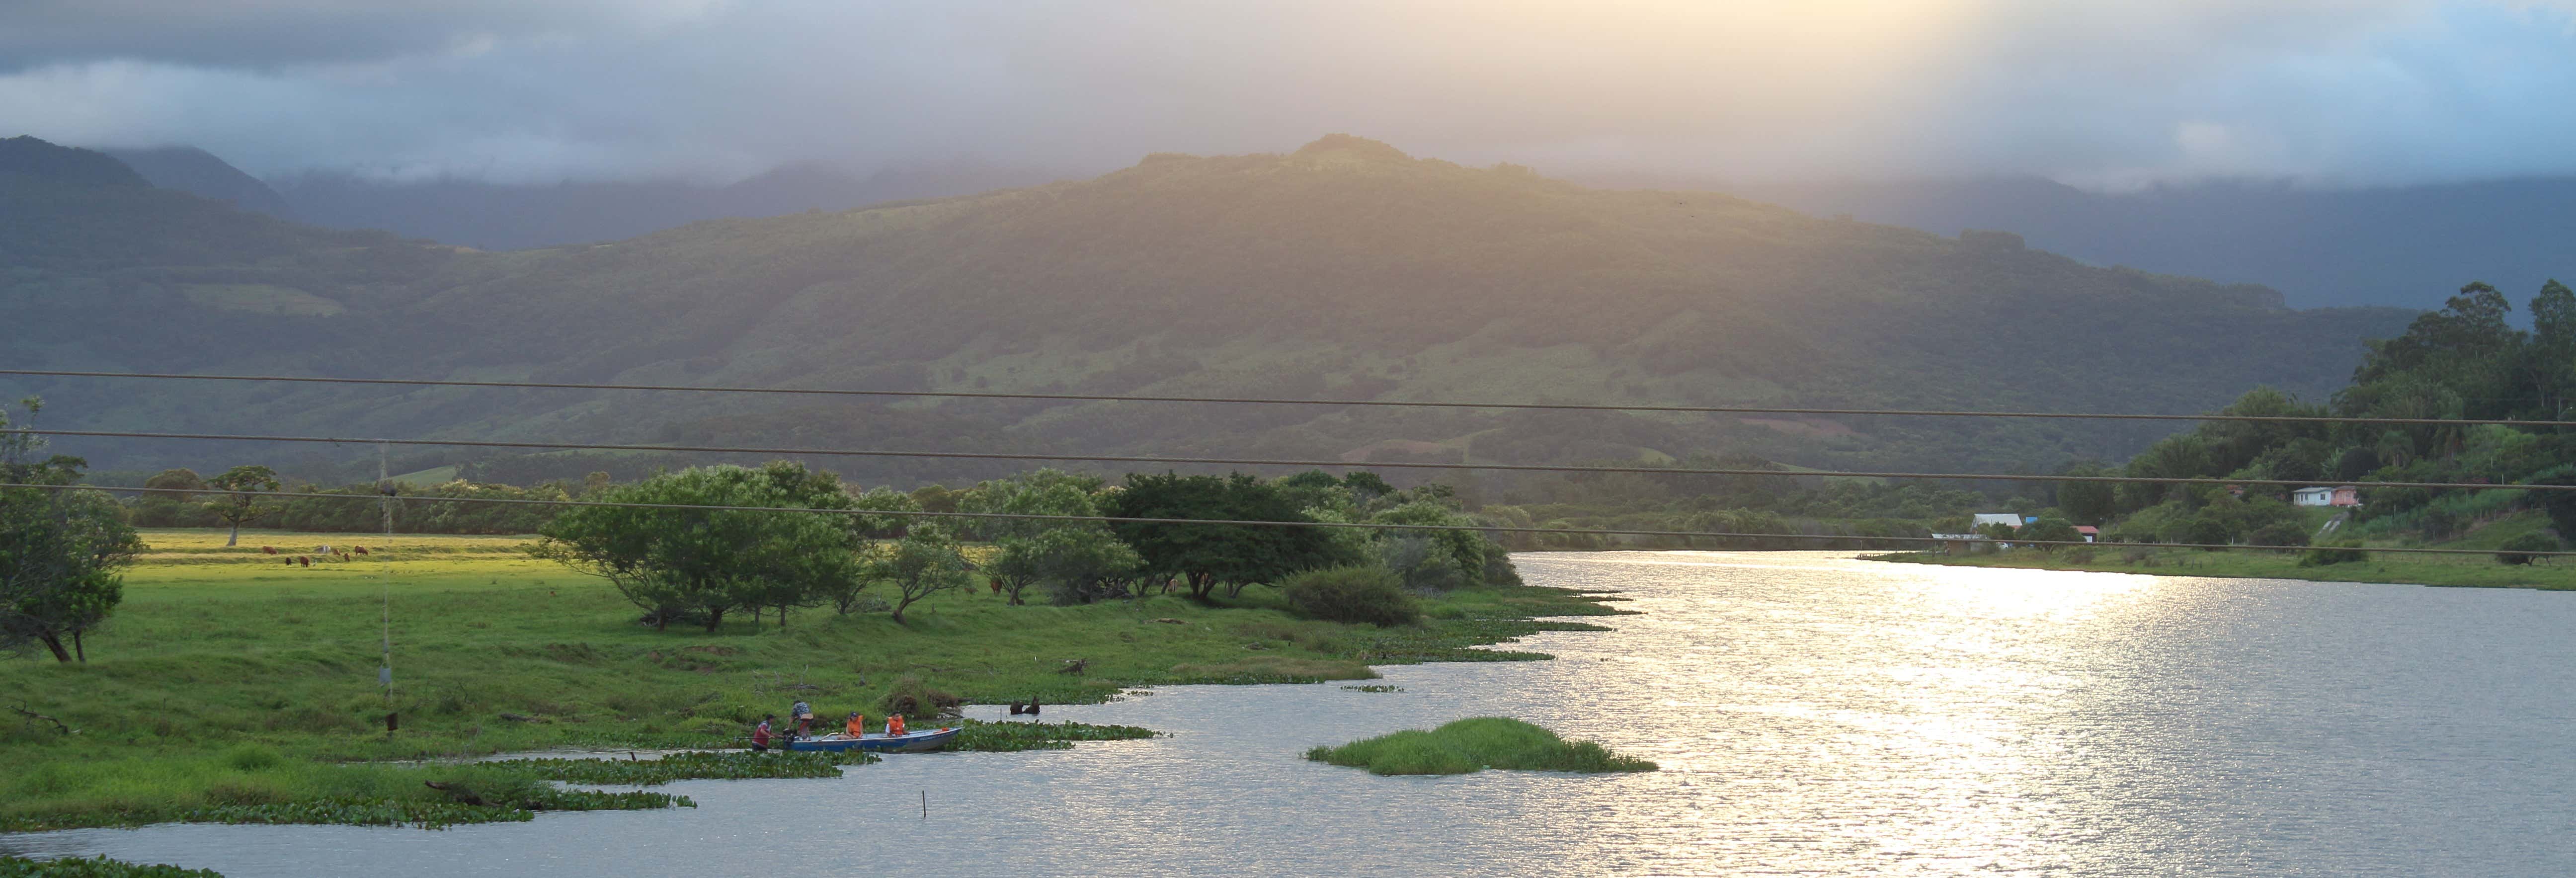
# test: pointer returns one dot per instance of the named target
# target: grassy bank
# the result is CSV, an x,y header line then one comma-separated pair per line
x,y
94,867
216,648
2466,571
1471,745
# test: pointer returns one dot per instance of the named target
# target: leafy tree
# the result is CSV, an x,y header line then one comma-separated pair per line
x,y
244,505
2051,529
1080,565
2088,502
1207,555
925,562
707,562
2519,550
60,549
1365,593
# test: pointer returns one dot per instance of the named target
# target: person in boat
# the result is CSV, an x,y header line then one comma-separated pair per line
x,y
894,726
804,715
760,735
857,727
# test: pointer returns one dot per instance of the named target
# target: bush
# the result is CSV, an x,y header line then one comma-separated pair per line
x,y
917,700
2205,531
2279,533
2346,552
2518,549
1470,745
1351,594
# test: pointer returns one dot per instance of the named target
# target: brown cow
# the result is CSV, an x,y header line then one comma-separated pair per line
x,y
306,560
362,550
269,549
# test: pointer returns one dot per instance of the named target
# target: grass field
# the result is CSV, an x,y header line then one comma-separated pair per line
x,y
217,648
1476,744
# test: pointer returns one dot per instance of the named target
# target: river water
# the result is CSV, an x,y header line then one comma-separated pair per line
x,y
1813,715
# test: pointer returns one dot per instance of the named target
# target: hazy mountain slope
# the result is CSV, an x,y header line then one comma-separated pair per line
x,y
497,216
1343,269
2387,246
193,170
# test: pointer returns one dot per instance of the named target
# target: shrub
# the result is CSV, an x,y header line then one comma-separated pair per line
x,y
2518,550
2080,555
2279,533
1470,745
1351,594
915,699
2346,552
2204,531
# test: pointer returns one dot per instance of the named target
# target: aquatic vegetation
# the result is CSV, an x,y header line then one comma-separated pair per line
x,y
1373,688
1471,745
690,765
1008,737
94,867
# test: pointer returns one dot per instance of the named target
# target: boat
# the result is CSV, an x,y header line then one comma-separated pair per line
x,y
876,742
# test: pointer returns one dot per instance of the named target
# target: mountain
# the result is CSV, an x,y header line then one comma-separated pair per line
x,y
1345,268
2320,247
189,169
498,216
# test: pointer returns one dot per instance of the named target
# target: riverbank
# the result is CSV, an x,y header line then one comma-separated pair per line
x,y
215,648
2456,571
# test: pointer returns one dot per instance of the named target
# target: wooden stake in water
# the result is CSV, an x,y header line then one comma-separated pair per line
x,y
925,804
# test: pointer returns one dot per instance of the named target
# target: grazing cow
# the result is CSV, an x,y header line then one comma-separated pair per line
x,y
997,586
306,560
269,549
290,562
361,550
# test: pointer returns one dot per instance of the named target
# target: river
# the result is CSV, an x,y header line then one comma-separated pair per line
x,y
1813,715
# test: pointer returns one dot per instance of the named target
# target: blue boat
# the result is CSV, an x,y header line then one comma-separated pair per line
x,y
876,742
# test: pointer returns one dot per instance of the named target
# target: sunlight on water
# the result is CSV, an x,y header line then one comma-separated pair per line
x,y
1813,715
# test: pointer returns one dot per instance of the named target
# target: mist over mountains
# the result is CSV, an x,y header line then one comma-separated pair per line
x,y
1344,269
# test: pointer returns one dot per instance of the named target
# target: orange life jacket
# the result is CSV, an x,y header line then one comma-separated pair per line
x,y
857,726
894,724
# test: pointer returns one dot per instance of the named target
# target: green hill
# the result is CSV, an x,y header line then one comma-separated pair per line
x,y
1345,268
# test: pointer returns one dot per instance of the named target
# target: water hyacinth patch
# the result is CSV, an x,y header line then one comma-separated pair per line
x,y
1008,737
94,867
1471,745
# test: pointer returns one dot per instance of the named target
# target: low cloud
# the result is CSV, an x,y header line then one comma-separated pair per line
x,y
2105,94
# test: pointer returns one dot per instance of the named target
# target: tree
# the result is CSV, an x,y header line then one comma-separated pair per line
x,y
2522,549
243,505
60,549
2088,502
1206,555
704,563
2050,529
925,562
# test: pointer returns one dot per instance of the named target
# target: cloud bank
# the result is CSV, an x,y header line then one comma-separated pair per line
x,y
2106,94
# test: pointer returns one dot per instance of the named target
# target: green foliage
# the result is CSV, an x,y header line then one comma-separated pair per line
x,y
245,505
2519,549
925,562
94,867
703,563
1206,556
913,698
1369,594
687,765
1007,737
2050,529
61,550
1471,745
2338,552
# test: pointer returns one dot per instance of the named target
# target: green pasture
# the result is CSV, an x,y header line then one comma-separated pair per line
x,y
215,648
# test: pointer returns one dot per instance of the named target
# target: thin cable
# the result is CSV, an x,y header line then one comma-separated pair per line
x,y
1255,461
1090,397
1113,519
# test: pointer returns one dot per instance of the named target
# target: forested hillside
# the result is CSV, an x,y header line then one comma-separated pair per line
x,y
1345,268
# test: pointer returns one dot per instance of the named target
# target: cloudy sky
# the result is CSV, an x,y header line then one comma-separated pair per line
x,y
2111,94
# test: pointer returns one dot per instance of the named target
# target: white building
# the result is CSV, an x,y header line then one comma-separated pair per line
x,y
2006,519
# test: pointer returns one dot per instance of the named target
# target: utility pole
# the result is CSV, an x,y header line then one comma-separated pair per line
x,y
384,488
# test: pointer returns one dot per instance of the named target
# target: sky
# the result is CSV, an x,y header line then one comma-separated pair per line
x,y
2108,95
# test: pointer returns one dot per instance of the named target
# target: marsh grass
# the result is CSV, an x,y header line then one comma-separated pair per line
x,y
1471,745
498,653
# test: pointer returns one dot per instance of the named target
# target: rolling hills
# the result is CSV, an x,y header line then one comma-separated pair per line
x,y
1344,268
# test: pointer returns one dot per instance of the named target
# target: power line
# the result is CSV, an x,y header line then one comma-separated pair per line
x,y
1113,519
1093,397
1254,461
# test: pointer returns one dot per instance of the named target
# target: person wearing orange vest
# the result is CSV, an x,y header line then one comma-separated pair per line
x,y
894,725
857,726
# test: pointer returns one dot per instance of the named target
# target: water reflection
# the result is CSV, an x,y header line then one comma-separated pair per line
x,y
1813,714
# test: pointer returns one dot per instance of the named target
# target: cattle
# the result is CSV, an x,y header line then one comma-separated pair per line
x,y
268,549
